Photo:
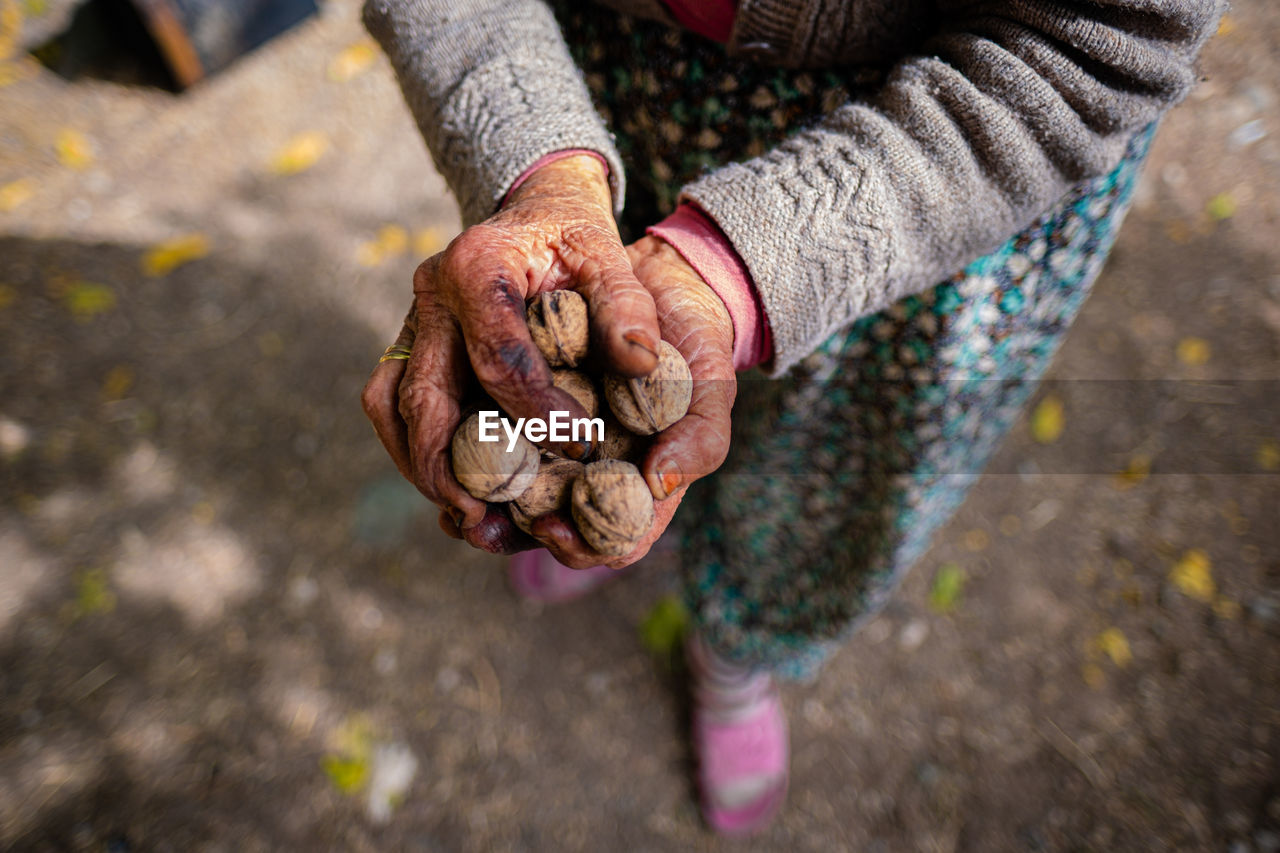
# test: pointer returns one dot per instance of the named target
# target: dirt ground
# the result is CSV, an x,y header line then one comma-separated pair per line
x,y
225,623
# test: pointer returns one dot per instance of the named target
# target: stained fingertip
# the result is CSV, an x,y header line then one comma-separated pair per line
x,y
632,354
578,451
643,341
670,480
663,476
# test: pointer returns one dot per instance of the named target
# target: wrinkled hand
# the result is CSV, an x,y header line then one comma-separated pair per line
x,y
468,315
696,322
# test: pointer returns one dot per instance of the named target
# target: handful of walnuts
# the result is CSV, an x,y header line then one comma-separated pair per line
x,y
608,499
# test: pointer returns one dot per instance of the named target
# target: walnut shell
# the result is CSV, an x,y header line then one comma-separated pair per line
x,y
579,387
612,506
550,491
620,442
652,403
486,469
558,325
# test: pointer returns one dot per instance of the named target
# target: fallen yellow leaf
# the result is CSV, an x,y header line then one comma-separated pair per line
x,y
1193,351
977,539
300,153
664,627
392,240
16,193
1268,455
1116,646
1193,575
1221,206
948,584
352,61
73,149
163,258
1047,420
1135,472
93,593
117,383
348,775
86,300
10,26
428,241
369,254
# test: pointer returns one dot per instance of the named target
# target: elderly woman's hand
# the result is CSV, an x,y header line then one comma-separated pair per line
x,y
697,323
557,230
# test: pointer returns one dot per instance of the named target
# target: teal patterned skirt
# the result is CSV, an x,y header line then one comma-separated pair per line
x,y
840,472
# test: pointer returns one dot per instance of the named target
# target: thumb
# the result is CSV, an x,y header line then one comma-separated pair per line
x,y
697,444
624,321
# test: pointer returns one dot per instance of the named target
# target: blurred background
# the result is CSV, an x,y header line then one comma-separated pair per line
x,y
226,623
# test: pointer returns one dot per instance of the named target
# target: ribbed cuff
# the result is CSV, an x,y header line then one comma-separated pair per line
x,y
701,242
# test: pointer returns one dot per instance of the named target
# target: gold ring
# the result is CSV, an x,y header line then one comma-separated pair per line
x,y
396,352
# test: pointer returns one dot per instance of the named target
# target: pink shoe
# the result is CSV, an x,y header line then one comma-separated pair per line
x,y
538,576
743,754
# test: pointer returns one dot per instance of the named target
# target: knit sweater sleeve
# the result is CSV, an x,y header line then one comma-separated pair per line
x,y
969,139
493,89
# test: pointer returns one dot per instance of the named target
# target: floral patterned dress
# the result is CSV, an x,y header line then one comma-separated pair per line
x,y
839,472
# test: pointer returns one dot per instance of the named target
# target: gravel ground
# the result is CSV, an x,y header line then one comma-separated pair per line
x,y
225,623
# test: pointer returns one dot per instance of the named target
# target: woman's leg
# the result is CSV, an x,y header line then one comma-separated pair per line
x,y
840,473
837,482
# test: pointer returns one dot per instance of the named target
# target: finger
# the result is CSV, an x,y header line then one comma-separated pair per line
x,y
428,402
695,445
557,533
491,314
379,400
624,321
698,326
497,534
449,525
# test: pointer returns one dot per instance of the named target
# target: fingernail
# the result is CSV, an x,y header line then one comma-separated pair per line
x,y
641,340
670,480
457,515
577,450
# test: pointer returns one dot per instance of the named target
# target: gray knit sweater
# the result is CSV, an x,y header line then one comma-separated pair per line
x,y
993,110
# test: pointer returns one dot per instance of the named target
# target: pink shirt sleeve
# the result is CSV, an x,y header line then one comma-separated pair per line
x,y
701,242
551,158
710,18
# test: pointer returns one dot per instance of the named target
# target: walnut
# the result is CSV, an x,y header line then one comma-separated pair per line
x,y
558,325
650,404
486,469
620,442
579,387
612,506
550,491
